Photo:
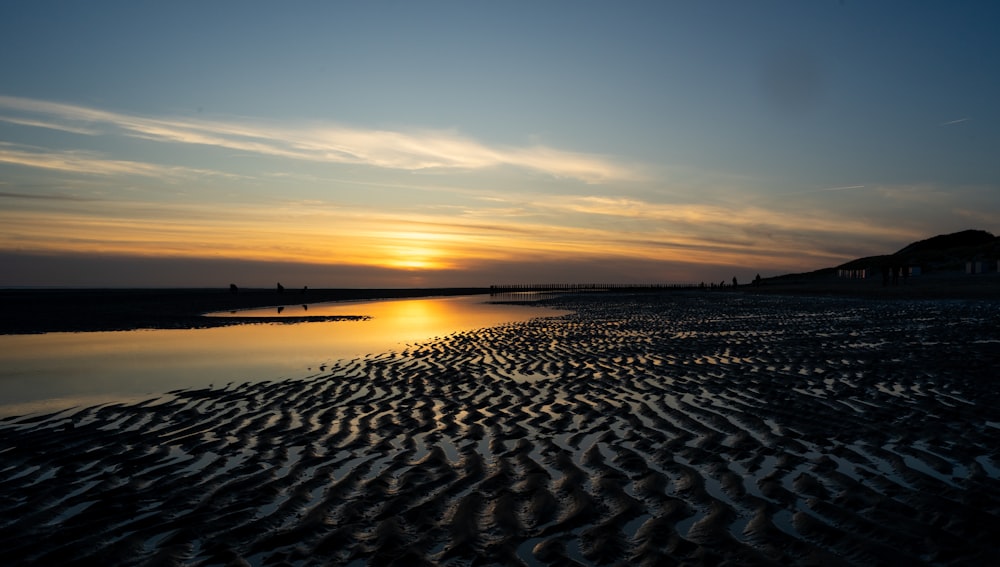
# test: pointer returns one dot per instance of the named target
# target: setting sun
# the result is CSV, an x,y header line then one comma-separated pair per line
x,y
414,259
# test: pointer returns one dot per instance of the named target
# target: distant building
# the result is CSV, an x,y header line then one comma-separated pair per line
x,y
978,267
854,274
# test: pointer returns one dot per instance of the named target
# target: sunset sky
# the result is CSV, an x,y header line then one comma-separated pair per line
x,y
427,144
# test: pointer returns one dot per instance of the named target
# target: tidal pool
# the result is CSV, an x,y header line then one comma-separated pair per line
x,y
55,371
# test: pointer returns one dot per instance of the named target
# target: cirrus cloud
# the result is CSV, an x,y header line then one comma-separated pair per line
x,y
414,150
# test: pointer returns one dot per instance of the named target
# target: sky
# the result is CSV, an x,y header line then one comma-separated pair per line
x,y
434,144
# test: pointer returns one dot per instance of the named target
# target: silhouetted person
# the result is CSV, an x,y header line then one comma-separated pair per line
x,y
233,289
756,281
281,308
734,281
305,288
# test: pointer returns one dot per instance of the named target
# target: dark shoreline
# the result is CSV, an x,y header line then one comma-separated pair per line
x,y
937,285
30,311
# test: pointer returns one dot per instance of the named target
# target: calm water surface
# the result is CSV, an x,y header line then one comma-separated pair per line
x,y
56,371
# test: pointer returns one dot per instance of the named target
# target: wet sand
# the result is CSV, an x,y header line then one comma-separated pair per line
x,y
665,429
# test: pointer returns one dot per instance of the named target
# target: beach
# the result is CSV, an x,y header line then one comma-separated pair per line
x,y
642,429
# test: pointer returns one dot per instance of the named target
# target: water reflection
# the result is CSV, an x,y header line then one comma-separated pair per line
x,y
57,370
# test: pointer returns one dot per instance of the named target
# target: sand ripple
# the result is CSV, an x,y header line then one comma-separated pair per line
x,y
696,429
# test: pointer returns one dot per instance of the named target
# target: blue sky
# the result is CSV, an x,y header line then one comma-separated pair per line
x,y
468,143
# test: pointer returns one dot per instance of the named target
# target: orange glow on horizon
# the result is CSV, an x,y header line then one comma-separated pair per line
x,y
575,229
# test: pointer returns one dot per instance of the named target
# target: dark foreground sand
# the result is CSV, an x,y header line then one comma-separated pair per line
x,y
653,430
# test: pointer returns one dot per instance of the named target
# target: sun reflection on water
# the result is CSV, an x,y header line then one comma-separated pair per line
x,y
70,366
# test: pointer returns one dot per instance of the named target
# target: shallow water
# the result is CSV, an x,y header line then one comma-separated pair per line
x,y
54,371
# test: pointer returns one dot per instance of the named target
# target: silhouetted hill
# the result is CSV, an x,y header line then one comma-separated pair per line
x,y
942,260
963,239
945,252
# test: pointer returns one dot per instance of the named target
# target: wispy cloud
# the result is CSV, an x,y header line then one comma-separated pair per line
x,y
90,163
45,197
414,150
831,189
950,122
50,125
716,231
773,196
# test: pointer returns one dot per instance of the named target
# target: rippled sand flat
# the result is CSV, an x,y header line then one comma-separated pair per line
x,y
641,430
